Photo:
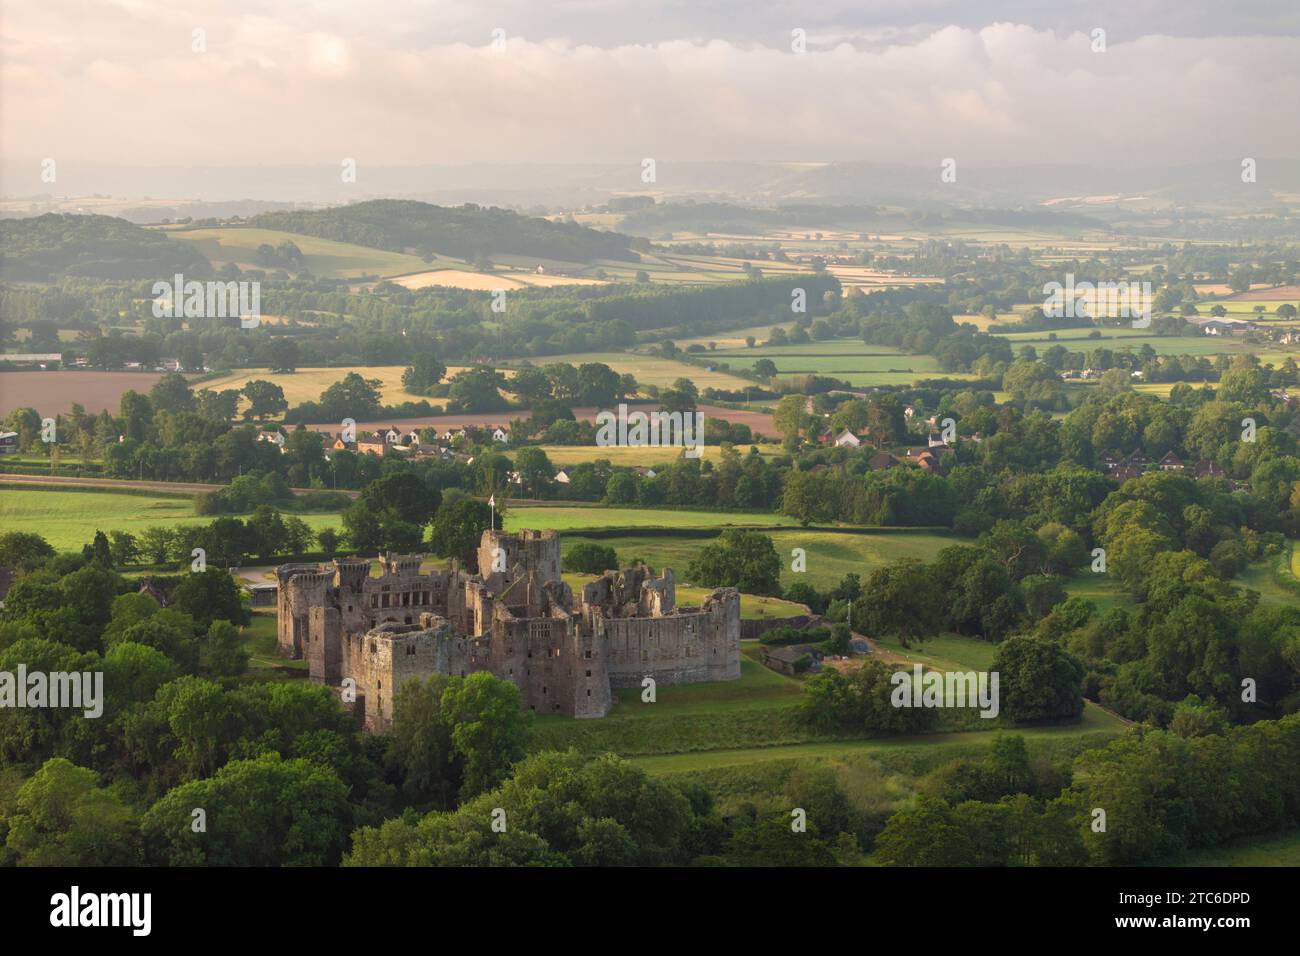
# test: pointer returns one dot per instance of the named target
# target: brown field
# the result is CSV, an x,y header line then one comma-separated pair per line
x,y
53,393
1268,293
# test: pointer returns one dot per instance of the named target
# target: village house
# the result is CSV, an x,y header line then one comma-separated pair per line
x,y
1171,463
846,439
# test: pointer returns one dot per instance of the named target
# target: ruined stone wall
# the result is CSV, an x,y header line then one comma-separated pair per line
x,y
387,657
527,550
679,648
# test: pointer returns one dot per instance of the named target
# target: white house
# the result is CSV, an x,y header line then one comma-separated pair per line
x,y
500,434
846,439
562,477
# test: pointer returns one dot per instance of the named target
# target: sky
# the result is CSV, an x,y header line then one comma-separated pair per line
x,y
131,82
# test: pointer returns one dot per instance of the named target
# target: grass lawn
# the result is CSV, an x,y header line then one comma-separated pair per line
x,y
946,652
69,519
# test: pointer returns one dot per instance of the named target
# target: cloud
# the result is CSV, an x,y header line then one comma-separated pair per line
x,y
315,83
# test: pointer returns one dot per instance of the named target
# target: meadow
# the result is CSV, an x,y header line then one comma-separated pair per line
x,y
830,555
69,519
847,359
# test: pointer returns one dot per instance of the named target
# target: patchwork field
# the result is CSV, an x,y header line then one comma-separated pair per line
x,y
306,384
848,359
324,257
651,370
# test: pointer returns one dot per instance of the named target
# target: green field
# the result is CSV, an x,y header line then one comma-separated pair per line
x,y
324,257
847,359
1094,721
571,518
69,519
830,555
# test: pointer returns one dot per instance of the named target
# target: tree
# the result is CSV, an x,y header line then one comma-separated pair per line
x,y
265,399
590,558
488,732
791,419
765,368
172,393
210,595
262,812
458,528
1039,681
741,559
63,818
222,652
424,372
23,550
898,601
535,471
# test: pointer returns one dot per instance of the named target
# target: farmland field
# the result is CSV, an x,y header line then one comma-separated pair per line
x,y
324,257
563,518
652,370
52,393
848,359
634,455
830,555
306,384
69,519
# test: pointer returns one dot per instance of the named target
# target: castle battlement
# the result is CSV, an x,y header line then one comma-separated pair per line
x,y
515,618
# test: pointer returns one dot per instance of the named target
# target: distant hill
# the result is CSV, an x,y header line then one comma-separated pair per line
x,y
58,245
464,232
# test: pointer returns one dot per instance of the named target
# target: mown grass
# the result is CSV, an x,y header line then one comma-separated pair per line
x,y
69,519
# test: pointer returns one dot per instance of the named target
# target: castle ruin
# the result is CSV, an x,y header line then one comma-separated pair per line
x,y
515,618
